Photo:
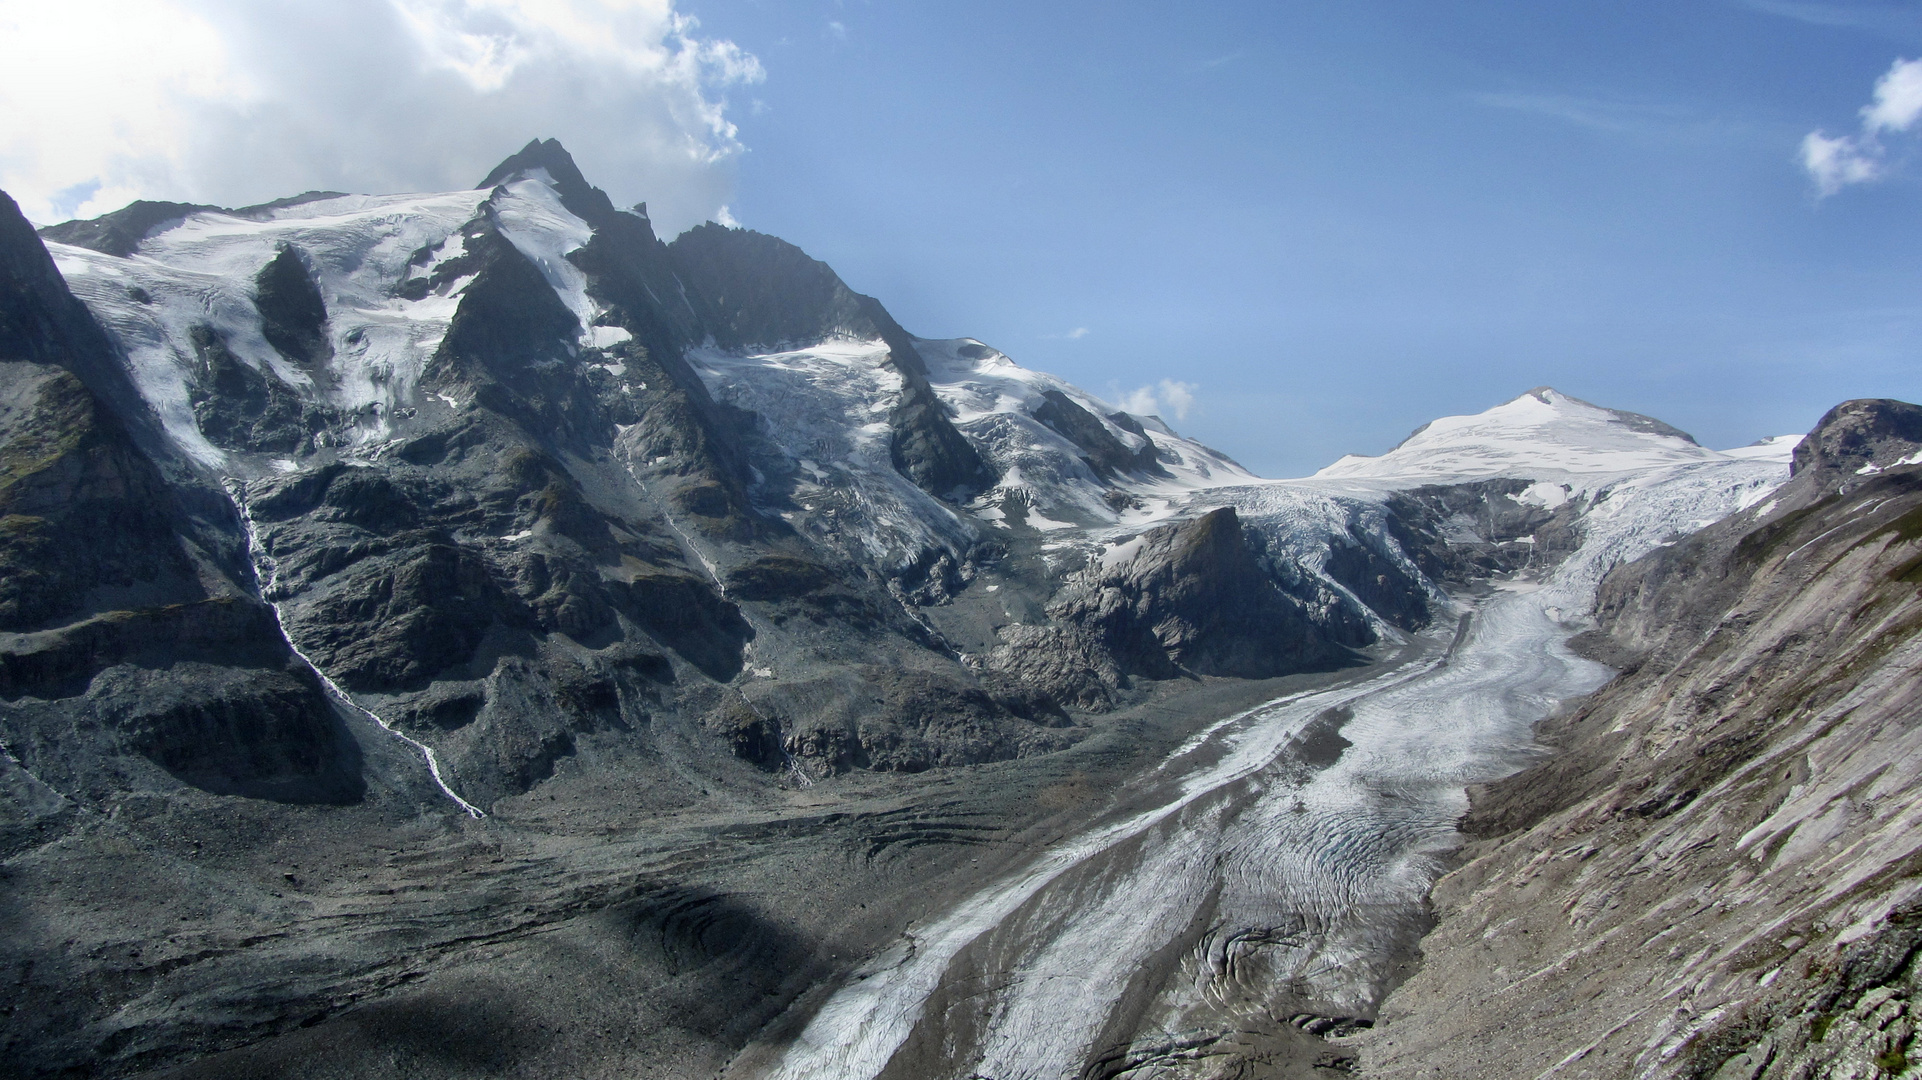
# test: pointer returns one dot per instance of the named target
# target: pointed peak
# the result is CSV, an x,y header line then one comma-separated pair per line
x,y
586,201
546,154
1548,395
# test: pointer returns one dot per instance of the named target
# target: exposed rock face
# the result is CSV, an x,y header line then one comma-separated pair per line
x,y
1194,598
83,509
1463,532
41,321
1107,455
293,314
759,290
1714,875
1858,438
240,408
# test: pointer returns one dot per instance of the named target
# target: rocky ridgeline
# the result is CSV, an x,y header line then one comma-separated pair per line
x,y
1715,873
558,535
550,559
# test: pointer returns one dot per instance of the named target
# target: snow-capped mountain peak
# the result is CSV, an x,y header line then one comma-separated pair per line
x,y
1543,435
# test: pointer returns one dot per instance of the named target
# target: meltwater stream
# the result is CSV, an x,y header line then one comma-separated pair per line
x,y
267,573
1279,869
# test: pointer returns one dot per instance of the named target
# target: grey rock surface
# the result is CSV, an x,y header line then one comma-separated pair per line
x,y
1194,598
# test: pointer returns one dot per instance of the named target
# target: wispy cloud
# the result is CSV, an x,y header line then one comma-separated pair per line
x,y
1899,21
1167,396
1076,334
1600,114
1835,162
1224,59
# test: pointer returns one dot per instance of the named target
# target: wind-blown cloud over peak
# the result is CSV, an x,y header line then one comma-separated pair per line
x,y
1836,162
1167,397
234,102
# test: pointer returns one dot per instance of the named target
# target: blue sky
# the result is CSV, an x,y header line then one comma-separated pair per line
x,y
1337,221
1326,223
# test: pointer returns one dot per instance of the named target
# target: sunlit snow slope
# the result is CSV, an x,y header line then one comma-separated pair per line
x,y
1543,434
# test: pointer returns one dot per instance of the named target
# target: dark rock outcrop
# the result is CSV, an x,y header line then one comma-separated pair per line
x,y
240,408
1856,439
1105,454
83,523
293,314
1194,598
41,321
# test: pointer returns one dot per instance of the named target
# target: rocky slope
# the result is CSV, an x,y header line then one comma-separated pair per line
x,y
109,573
1715,873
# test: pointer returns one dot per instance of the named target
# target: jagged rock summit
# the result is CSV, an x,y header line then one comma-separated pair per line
x,y
525,480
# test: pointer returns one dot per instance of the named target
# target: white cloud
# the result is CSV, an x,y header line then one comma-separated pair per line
x,y
1898,99
1179,397
1162,399
1836,162
236,101
1076,334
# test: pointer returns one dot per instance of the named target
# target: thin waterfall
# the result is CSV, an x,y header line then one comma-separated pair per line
x,y
266,577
